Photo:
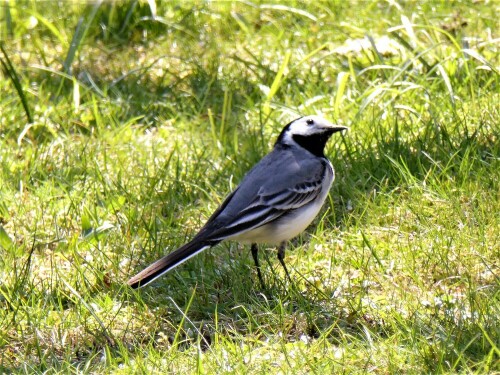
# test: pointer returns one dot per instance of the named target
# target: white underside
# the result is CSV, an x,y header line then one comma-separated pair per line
x,y
282,229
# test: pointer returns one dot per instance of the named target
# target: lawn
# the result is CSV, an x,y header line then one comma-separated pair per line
x,y
123,125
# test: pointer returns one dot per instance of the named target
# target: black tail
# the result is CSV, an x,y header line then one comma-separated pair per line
x,y
169,262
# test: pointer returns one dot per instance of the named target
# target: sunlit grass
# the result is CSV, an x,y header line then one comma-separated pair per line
x,y
144,118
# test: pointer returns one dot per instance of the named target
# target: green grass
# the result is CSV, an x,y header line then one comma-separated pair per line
x,y
121,132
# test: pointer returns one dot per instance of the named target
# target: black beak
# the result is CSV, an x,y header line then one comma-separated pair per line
x,y
339,128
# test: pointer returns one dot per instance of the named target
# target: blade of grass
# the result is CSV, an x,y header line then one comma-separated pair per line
x,y
128,16
8,19
81,30
372,250
276,83
447,83
175,341
342,78
10,71
225,113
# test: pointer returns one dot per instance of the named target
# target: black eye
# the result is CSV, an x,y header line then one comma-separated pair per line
x,y
310,121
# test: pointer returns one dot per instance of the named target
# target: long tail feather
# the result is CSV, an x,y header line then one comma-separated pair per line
x,y
168,262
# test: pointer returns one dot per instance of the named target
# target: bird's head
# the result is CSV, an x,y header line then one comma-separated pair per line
x,y
309,132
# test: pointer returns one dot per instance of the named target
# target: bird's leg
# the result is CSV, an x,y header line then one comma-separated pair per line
x,y
255,256
281,258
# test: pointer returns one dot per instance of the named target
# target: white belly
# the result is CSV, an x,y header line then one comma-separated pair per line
x,y
284,228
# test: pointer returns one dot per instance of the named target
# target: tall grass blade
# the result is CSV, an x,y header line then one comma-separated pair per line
x,y
175,341
225,111
276,83
380,58
10,71
128,16
8,19
213,130
342,78
73,47
79,35
409,31
447,83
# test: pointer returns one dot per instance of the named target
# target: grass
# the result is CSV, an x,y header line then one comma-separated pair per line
x,y
123,125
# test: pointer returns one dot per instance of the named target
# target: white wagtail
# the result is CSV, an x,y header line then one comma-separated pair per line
x,y
276,200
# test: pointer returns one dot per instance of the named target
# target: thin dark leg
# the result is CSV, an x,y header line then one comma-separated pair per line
x,y
281,258
255,255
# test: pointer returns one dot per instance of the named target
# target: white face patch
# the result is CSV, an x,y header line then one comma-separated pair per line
x,y
307,126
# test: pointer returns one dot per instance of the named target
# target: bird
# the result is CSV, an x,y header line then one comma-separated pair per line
x,y
276,200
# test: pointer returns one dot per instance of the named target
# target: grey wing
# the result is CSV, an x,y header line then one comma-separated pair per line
x,y
268,206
